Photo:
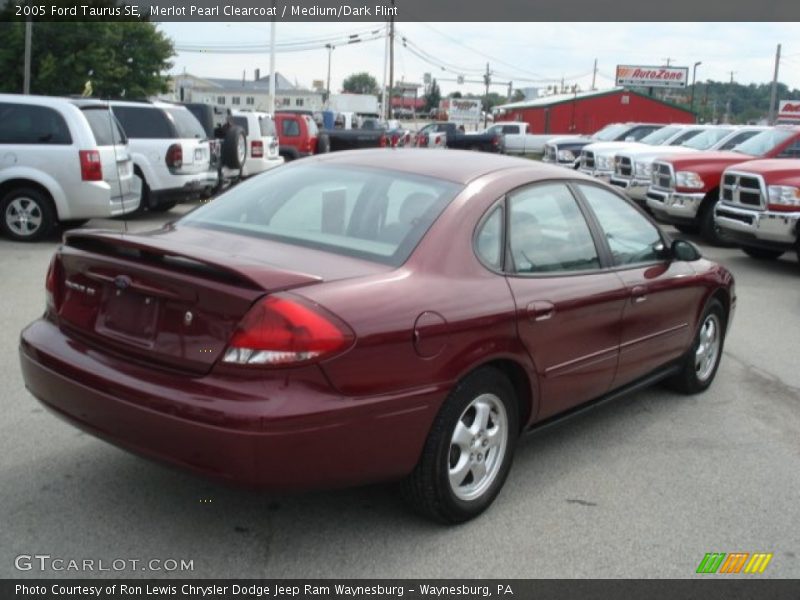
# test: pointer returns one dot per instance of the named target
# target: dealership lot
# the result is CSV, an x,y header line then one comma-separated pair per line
x,y
643,487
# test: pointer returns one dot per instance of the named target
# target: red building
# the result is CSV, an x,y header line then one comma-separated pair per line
x,y
586,112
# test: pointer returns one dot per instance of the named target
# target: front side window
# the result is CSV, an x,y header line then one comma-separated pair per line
x,y
366,213
547,231
685,136
660,136
631,237
760,144
30,124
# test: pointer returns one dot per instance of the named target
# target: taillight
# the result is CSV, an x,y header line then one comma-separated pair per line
x,y
311,145
438,141
91,167
395,140
257,149
175,156
423,140
280,331
383,141
52,285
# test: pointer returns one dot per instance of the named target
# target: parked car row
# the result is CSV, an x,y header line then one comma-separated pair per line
x,y
734,185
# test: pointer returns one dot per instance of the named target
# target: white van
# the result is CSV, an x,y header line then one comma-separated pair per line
x,y
61,160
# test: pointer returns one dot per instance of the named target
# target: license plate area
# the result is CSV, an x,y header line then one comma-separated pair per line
x,y
129,316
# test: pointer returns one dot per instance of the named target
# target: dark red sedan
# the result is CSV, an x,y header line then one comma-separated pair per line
x,y
372,315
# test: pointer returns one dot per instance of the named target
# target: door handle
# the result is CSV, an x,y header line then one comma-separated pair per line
x,y
639,294
540,310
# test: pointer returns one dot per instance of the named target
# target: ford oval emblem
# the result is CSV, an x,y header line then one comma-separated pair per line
x,y
122,282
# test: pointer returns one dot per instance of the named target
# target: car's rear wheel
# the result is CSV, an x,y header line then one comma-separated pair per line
x,y
163,207
27,214
469,450
709,230
762,253
699,365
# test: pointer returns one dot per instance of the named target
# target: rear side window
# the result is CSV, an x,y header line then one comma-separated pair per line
x,y
290,127
312,126
30,124
105,127
145,122
242,122
372,214
267,126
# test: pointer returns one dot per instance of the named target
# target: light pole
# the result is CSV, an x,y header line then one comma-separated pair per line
x,y
694,78
330,48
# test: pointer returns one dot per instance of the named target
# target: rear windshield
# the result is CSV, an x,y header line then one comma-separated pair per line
x,y
760,144
705,140
267,127
186,124
372,214
105,127
610,132
242,122
659,136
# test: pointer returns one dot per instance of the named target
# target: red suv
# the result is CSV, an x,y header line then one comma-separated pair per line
x,y
299,135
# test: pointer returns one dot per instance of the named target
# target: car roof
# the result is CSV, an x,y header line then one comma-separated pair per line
x,y
458,166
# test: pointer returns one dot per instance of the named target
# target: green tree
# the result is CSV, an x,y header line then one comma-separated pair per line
x,y
360,83
455,94
433,96
119,58
517,96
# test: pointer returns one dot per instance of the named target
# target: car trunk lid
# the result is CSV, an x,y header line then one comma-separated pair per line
x,y
161,301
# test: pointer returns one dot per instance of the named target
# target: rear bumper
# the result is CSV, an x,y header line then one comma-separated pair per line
x,y
254,166
674,207
283,430
767,229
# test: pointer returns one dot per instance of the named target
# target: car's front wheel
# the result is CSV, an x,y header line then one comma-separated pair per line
x,y
28,214
699,365
469,450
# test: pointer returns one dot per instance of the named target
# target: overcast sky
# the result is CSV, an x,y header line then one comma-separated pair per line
x,y
515,51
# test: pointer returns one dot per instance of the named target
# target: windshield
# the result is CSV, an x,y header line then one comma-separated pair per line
x,y
659,136
610,132
760,144
707,139
186,124
372,214
688,134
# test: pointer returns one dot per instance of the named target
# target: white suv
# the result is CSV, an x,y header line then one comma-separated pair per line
x,y
262,141
61,160
170,152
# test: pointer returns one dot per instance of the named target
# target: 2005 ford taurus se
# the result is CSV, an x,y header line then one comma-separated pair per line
x,y
373,315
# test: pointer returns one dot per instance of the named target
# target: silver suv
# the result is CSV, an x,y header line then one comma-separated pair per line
x,y
170,150
61,160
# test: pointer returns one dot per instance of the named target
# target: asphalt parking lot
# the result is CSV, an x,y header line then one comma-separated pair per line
x,y
642,487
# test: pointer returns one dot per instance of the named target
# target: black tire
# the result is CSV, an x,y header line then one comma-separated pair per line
x,y
144,201
163,207
428,489
688,380
709,229
762,253
232,144
323,144
687,229
73,223
288,154
27,214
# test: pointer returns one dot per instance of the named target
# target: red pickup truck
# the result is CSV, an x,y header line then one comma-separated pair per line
x,y
759,207
686,187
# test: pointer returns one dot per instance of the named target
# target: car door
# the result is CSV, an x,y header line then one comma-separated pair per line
x,y
568,307
662,293
513,138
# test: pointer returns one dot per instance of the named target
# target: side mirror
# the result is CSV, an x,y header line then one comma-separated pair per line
x,y
683,250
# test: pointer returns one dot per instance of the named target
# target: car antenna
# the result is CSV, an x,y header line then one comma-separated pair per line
x,y
113,130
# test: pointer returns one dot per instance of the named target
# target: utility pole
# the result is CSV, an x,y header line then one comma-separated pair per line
x,y
487,79
668,60
328,85
272,90
384,114
26,84
594,75
774,92
730,98
391,58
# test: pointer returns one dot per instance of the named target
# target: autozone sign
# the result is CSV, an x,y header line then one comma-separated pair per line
x,y
641,76
789,110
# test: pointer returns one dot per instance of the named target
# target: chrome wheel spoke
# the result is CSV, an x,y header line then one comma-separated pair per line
x,y
462,437
708,345
459,472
